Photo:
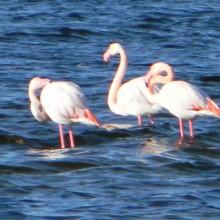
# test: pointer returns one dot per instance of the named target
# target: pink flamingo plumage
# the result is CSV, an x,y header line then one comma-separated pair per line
x,y
59,101
128,98
180,98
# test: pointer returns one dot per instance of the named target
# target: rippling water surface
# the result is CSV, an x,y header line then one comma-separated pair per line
x,y
129,173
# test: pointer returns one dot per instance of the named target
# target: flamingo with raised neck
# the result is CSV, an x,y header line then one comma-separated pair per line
x,y
130,97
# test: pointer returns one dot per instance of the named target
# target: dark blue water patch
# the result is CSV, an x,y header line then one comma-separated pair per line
x,y
194,167
12,215
6,169
152,22
213,78
61,166
76,16
203,149
61,34
71,31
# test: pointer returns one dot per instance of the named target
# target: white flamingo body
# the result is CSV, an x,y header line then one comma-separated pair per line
x,y
62,102
128,98
182,99
132,99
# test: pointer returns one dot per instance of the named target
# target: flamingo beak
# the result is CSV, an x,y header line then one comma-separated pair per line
x,y
106,56
148,77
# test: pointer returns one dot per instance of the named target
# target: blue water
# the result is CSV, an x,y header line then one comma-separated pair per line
x,y
134,173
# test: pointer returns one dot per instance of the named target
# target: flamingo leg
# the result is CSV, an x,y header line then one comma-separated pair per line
x,y
151,119
191,128
61,136
181,127
72,143
139,120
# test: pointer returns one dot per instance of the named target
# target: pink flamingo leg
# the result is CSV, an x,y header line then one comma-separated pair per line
x,y
181,127
139,120
151,120
191,128
61,136
72,143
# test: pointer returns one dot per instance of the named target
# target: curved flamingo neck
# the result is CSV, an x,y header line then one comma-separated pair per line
x,y
36,107
117,80
157,77
32,96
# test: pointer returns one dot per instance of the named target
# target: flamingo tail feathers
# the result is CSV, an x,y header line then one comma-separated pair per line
x,y
213,107
91,117
210,106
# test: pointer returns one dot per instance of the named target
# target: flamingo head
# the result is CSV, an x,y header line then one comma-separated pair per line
x,y
112,50
38,83
159,69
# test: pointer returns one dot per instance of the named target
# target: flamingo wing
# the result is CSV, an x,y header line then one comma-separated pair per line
x,y
181,99
185,100
132,98
63,101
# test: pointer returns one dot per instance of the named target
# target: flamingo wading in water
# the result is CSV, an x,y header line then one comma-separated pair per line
x,y
128,98
180,98
59,101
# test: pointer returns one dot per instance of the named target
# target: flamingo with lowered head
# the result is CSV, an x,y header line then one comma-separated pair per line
x,y
60,101
180,98
128,98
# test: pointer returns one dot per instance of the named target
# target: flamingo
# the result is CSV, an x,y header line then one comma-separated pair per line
x,y
59,101
180,98
128,98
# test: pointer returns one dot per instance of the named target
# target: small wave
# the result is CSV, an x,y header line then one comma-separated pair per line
x,y
17,169
215,78
66,31
55,33
113,126
16,34
61,166
76,16
13,139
